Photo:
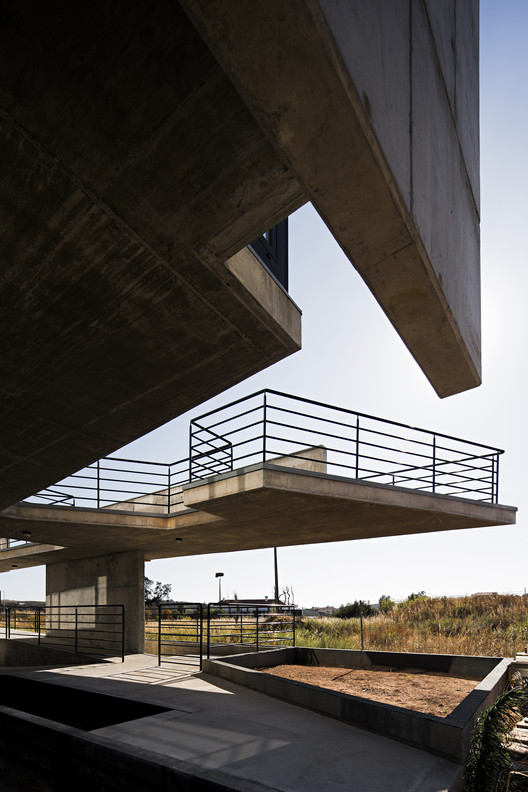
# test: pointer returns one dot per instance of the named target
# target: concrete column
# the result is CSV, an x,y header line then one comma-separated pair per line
x,y
114,579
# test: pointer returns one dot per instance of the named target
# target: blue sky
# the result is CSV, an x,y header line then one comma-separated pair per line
x,y
352,357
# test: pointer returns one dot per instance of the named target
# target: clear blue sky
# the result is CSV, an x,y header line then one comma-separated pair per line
x,y
370,370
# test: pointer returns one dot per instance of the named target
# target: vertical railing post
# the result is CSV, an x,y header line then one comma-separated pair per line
x,y
434,463
264,428
39,623
190,451
241,628
208,628
76,628
159,634
98,483
200,617
168,489
257,641
361,622
8,623
123,616
357,446
294,614
495,495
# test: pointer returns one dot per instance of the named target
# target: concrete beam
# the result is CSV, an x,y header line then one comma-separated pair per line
x,y
374,107
133,174
262,506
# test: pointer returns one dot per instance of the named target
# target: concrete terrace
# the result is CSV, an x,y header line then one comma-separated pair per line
x,y
226,737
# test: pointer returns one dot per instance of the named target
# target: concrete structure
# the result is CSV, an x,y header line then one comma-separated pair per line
x,y
145,146
134,177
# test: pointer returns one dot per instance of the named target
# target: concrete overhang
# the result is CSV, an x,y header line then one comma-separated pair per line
x,y
262,506
374,108
133,175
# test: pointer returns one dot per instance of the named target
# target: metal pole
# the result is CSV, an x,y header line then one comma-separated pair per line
x,y
98,483
434,462
357,446
294,626
200,616
361,622
122,633
208,628
496,479
169,490
264,430
257,628
76,624
159,634
39,624
276,574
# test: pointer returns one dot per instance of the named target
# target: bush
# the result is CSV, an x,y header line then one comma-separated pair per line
x,y
353,609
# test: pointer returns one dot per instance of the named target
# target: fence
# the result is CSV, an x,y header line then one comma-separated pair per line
x,y
89,629
190,630
276,428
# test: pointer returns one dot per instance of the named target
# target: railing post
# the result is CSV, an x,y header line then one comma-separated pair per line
x,y
122,633
357,446
159,634
98,483
264,429
76,626
190,451
495,495
257,610
39,611
168,489
294,614
200,616
434,463
8,623
208,628
361,622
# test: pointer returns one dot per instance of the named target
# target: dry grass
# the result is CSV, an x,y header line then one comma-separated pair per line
x,y
494,625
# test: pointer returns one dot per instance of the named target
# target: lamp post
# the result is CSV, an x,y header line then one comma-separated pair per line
x,y
219,575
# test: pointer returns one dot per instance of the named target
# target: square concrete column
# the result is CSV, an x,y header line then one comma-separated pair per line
x,y
114,579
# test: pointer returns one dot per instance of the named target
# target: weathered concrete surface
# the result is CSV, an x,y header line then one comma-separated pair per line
x,y
132,173
113,579
447,736
374,107
217,736
261,506
18,653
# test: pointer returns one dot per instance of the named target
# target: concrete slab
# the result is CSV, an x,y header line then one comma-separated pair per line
x,y
261,506
247,737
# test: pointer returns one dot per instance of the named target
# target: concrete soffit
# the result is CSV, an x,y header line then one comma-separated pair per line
x,y
302,93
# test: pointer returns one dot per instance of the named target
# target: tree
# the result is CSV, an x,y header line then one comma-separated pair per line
x,y
386,603
353,609
156,592
287,595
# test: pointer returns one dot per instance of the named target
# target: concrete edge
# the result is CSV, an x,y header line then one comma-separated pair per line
x,y
448,737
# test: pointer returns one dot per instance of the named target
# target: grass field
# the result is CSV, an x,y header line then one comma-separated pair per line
x,y
493,624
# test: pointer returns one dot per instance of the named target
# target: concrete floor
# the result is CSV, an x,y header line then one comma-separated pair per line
x,y
233,733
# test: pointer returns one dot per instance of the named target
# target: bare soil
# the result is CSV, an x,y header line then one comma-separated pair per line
x,y
430,692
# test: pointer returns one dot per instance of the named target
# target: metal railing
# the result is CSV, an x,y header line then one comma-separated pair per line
x,y
277,428
88,629
186,631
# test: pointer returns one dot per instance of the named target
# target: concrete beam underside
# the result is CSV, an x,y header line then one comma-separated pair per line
x,y
263,506
129,183
374,107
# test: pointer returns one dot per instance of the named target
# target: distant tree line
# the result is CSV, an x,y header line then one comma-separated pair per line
x,y
352,610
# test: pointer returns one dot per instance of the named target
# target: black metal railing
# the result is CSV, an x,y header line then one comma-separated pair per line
x,y
252,627
279,429
186,631
272,250
13,544
88,629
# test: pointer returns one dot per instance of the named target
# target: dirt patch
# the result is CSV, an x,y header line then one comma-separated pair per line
x,y
430,692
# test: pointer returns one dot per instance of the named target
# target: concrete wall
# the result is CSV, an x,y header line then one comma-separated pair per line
x,y
114,579
448,737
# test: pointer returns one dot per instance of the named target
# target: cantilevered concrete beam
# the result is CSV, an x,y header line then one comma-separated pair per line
x,y
262,506
374,107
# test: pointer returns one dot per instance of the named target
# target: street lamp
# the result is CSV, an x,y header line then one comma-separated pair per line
x,y
219,575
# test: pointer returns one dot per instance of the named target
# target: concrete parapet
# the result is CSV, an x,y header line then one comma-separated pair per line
x,y
448,737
